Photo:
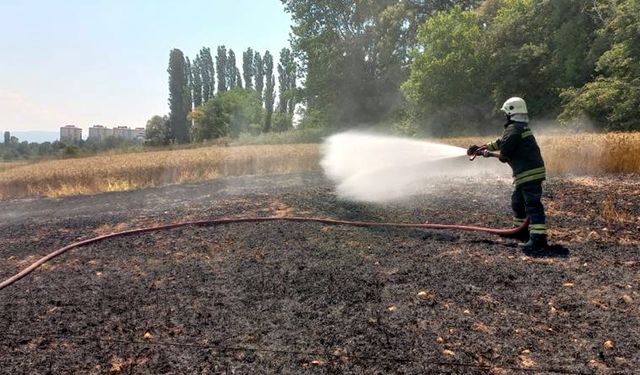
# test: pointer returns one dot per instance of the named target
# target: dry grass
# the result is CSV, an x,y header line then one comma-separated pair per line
x,y
6,165
592,154
56,178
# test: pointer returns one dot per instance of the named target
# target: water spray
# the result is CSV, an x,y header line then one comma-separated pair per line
x,y
380,169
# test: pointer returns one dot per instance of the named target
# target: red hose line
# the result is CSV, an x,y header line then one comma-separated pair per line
x,y
45,259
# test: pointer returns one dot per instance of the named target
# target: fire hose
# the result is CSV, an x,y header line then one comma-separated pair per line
x,y
508,232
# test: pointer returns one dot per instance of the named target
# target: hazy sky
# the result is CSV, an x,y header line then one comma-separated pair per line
x,y
88,62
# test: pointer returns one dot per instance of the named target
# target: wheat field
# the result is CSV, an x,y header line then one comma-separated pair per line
x,y
119,172
581,154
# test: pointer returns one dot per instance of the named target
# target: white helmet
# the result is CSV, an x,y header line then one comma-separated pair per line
x,y
514,106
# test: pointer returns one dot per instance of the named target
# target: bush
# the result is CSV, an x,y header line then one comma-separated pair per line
x,y
287,137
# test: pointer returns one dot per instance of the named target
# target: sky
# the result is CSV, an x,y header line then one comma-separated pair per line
x,y
86,62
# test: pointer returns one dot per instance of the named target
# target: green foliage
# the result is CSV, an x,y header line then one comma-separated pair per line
x,y
13,149
295,136
232,71
157,131
286,82
540,48
448,81
207,74
189,84
238,79
281,122
354,54
70,151
228,114
210,120
258,71
612,99
247,68
221,68
7,138
179,98
467,62
314,118
269,92
196,81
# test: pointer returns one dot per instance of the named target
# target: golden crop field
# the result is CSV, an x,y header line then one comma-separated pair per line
x,y
582,153
119,172
590,154
6,165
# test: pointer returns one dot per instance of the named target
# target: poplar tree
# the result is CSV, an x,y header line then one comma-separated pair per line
x,y
282,85
7,138
247,68
258,72
221,68
179,100
187,74
269,90
196,81
207,73
231,70
238,79
286,82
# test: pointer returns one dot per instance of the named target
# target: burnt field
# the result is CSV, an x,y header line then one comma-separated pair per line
x,y
284,297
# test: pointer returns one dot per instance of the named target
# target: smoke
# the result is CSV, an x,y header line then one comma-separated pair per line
x,y
375,168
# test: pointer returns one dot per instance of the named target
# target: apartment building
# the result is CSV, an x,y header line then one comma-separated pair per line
x,y
70,134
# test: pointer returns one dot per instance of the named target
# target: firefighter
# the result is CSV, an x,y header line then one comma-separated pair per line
x,y
518,148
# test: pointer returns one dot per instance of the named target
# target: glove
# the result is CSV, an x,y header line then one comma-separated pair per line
x,y
486,153
472,150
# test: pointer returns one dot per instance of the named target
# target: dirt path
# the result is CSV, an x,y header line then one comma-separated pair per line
x,y
307,298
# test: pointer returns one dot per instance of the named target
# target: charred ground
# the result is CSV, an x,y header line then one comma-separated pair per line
x,y
297,298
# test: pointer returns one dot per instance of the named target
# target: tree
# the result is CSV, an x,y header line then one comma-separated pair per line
x,y
208,73
540,48
448,85
228,114
7,138
238,79
354,55
232,80
258,71
269,90
286,82
247,68
281,122
179,99
157,131
210,120
189,78
221,68
612,99
196,81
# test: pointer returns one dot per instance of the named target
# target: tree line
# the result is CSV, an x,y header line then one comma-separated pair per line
x,y
13,149
420,67
444,67
209,100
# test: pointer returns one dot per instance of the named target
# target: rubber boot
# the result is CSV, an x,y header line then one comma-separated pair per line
x,y
537,243
522,236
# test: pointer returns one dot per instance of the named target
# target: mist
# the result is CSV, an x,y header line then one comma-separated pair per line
x,y
374,168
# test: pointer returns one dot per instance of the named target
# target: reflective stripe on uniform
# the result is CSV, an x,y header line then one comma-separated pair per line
x,y
538,228
526,134
518,222
530,175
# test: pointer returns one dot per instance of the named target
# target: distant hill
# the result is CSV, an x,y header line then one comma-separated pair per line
x,y
36,136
